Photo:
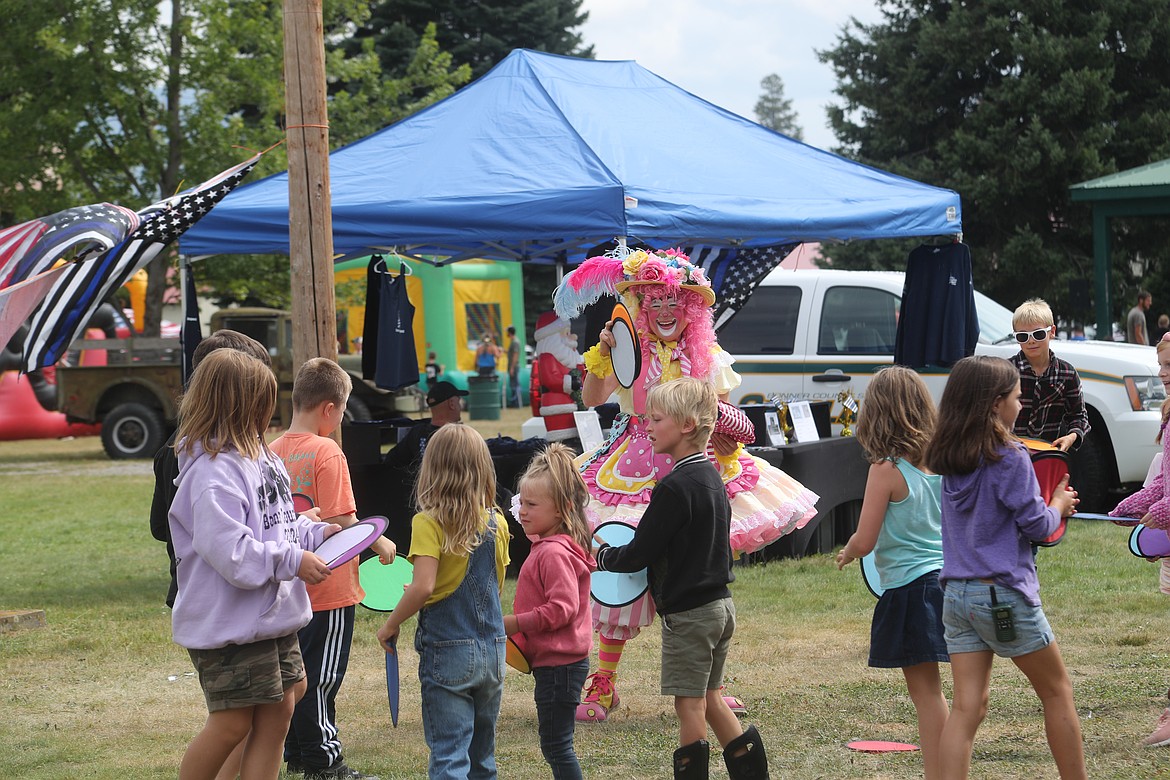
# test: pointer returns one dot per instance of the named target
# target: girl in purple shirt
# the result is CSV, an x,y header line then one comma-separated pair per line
x,y
243,558
991,513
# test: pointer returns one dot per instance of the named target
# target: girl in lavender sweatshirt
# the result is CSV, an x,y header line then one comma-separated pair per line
x,y
552,624
242,561
991,513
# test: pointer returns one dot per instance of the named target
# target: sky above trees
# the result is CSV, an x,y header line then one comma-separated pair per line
x,y
721,51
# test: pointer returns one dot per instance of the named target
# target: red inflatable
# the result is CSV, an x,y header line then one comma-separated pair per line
x,y
21,417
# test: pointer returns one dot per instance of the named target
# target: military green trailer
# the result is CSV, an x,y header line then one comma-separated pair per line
x,y
135,395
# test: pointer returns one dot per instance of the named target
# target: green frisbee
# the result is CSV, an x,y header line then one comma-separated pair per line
x,y
384,584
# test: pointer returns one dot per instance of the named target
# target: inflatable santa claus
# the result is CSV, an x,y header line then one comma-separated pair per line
x,y
557,358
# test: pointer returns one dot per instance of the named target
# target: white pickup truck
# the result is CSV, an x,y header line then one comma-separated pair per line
x,y
813,333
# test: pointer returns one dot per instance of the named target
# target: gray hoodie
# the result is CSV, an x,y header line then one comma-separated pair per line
x,y
238,543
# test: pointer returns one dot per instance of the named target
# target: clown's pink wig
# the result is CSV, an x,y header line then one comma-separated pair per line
x,y
700,330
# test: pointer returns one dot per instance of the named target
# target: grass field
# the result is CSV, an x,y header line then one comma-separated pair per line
x,y
102,692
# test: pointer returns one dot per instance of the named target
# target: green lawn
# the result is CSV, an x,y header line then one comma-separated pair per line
x,y
102,692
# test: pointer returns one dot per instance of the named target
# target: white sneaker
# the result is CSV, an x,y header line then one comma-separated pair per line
x,y
1161,734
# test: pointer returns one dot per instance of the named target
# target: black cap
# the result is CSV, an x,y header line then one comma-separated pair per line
x,y
441,392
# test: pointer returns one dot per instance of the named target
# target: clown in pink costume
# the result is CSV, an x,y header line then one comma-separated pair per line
x,y
670,301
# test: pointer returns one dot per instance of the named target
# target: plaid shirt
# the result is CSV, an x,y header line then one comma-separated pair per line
x,y
1053,404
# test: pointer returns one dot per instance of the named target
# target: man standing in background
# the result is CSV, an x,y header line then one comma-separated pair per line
x,y
1136,331
513,369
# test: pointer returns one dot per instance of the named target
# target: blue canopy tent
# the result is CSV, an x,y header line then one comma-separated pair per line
x,y
546,156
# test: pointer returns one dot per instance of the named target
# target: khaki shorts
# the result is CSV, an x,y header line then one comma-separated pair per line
x,y
238,676
694,648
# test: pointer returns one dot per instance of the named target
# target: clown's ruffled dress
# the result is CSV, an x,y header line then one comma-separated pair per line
x,y
766,503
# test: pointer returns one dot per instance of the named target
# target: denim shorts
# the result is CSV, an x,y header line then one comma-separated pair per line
x,y
694,648
237,676
969,626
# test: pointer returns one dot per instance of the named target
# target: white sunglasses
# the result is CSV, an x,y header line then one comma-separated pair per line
x,y
1039,334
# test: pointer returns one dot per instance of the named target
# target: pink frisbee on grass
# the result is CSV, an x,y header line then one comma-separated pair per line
x,y
880,746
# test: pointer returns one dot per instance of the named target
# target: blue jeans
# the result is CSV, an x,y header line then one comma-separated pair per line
x,y
514,399
558,692
461,644
462,684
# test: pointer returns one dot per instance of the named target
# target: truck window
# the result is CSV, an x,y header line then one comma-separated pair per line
x,y
261,329
766,325
858,321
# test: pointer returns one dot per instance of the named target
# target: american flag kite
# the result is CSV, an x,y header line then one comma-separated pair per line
x,y
82,288
30,248
17,301
735,273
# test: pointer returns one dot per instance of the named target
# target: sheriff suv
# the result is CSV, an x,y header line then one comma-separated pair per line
x,y
811,334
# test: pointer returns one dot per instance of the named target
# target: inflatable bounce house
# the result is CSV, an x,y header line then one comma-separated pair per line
x,y
28,401
454,306
23,417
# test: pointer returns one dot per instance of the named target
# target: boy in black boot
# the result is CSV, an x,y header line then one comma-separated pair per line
x,y
745,756
683,540
692,761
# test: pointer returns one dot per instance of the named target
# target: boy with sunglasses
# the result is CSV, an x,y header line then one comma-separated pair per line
x,y
1053,405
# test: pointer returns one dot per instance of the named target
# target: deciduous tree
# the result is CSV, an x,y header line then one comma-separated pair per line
x,y
110,100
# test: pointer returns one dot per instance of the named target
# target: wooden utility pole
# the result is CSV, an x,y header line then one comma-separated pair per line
x,y
310,220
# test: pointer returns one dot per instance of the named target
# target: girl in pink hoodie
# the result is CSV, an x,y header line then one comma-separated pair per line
x,y
552,624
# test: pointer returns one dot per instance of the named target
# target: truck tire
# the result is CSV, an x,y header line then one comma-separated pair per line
x,y
1089,469
356,410
133,431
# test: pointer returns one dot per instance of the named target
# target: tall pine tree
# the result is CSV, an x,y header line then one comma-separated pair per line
x,y
775,111
1009,104
478,34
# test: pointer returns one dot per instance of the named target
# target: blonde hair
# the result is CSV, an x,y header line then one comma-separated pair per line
x,y
456,483
228,404
897,416
969,430
1033,310
555,471
687,399
318,381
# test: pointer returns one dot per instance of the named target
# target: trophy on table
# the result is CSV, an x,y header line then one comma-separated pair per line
x,y
848,414
783,418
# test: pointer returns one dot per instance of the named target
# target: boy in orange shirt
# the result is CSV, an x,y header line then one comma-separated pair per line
x,y
318,469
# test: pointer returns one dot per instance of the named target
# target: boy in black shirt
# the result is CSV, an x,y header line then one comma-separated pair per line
x,y
683,540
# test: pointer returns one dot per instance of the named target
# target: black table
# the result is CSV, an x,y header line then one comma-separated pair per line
x,y
833,468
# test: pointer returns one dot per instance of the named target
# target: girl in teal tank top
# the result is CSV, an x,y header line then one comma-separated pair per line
x,y
901,524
